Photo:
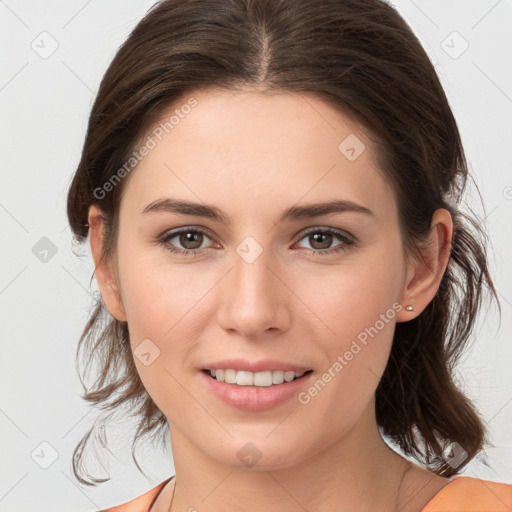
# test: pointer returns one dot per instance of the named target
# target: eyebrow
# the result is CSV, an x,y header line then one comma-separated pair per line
x,y
293,213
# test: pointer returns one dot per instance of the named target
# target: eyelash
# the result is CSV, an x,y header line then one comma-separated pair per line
x,y
346,242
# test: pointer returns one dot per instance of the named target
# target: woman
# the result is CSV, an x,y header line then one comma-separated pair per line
x,y
271,189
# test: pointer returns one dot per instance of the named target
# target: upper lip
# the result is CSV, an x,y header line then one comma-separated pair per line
x,y
256,366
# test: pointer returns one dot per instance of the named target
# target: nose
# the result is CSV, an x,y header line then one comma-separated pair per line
x,y
254,301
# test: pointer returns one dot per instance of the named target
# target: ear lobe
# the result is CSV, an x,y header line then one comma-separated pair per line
x,y
103,267
426,272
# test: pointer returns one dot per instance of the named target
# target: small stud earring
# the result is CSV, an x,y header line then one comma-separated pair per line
x,y
409,308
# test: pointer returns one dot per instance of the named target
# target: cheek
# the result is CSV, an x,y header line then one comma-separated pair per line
x,y
357,306
161,304
164,303
351,298
158,296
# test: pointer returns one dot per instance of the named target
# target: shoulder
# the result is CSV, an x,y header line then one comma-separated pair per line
x,y
462,494
142,503
469,494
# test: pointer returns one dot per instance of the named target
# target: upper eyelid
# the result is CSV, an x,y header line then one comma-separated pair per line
x,y
337,231
175,232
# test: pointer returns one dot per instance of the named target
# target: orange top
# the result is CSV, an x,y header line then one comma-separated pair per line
x,y
462,494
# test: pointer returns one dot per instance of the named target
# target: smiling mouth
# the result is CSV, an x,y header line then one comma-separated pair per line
x,y
259,379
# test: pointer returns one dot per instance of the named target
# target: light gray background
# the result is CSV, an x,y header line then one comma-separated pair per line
x,y
45,101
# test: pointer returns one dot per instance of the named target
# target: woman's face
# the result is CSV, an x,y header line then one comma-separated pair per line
x,y
269,280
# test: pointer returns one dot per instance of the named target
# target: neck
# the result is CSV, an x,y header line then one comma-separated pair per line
x,y
358,472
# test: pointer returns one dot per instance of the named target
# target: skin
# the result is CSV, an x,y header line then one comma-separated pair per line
x,y
253,154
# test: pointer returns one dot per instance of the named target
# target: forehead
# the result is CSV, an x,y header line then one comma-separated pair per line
x,y
253,150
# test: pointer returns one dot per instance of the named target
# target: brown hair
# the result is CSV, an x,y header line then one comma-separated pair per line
x,y
361,57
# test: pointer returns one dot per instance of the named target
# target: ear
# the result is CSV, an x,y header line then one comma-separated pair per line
x,y
424,273
103,268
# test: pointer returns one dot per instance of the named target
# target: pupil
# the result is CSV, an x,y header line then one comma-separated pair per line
x,y
190,237
318,236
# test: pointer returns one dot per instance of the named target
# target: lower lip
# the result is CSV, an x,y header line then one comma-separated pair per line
x,y
255,398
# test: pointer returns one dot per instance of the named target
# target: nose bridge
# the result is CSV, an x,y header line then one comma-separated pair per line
x,y
252,299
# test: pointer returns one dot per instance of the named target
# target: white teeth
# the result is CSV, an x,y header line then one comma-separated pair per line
x,y
244,378
230,376
263,379
260,379
289,376
277,377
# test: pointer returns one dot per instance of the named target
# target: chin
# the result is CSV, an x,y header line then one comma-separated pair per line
x,y
260,453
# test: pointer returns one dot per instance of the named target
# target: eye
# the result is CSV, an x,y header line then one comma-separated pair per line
x,y
190,239
321,241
